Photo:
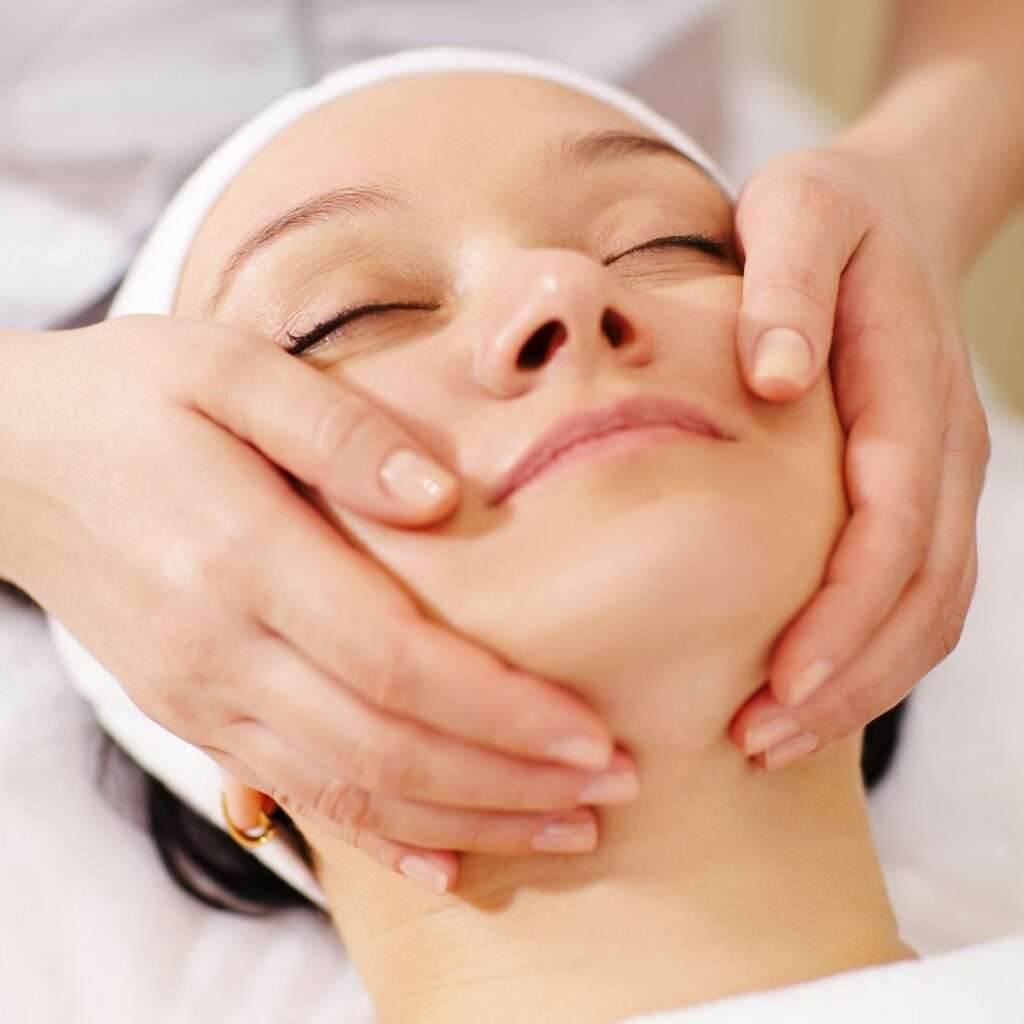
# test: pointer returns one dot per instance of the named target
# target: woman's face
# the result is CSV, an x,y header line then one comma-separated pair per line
x,y
512,223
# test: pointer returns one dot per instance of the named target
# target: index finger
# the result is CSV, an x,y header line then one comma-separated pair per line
x,y
353,620
893,470
318,430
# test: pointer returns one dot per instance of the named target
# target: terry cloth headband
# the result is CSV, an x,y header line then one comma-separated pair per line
x,y
150,287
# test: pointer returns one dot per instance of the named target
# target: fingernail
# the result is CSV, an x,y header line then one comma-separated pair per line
x,y
768,733
783,354
613,788
581,752
787,752
422,872
415,480
568,834
808,681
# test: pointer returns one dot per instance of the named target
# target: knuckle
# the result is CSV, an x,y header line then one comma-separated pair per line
x,y
196,566
218,355
820,195
949,636
950,629
946,617
341,801
283,799
858,705
381,762
911,532
336,427
385,682
798,280
476,833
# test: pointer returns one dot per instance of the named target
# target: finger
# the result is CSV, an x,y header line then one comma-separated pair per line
x,y
321,432
435,870
388,755
769,733
925,625
343,809
893,466
796,239
349,617
491,832
857,698
762,722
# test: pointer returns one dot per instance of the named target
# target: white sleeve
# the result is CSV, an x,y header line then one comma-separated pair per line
x,y
104,110
55,260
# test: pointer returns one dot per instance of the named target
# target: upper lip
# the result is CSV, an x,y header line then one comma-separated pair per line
x,y
625,414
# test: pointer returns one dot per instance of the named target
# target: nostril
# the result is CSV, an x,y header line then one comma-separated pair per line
x,y
540,345
615,328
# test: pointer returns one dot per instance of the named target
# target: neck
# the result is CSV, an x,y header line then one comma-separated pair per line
x,y
721,878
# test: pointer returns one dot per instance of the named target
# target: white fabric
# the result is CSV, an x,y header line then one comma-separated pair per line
x,y
150,287
105,107
981,983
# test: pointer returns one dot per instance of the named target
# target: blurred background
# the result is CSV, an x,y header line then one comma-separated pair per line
x,y
831,50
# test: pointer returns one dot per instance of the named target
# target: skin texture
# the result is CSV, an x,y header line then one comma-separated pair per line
x,y
653,582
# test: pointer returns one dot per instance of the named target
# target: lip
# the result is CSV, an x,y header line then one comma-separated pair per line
x,y
635,413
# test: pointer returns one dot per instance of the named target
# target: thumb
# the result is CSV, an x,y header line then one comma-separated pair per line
x,y
793,262
323,433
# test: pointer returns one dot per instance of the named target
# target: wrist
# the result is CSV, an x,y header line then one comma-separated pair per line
x,y
18,374
959,158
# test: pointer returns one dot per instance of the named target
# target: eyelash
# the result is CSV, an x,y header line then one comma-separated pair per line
x,y
712,245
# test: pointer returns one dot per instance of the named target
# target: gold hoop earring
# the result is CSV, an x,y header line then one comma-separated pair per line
x,y
267,828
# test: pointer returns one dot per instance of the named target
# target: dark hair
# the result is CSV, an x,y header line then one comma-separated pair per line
x,y
207,863
19,595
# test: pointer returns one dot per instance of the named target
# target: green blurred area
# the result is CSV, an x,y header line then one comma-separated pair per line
x,y
832,48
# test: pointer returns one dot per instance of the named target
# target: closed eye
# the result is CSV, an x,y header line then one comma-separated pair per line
x,y
300,343
712,245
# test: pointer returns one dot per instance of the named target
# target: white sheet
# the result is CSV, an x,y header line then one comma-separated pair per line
x,y
93,931
982,984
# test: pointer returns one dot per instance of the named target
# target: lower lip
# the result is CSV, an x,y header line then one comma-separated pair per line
x,y
611,445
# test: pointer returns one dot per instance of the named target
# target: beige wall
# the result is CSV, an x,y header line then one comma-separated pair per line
x,y
832,47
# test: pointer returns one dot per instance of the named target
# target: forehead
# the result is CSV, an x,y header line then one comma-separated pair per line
x,y
419,124
453,139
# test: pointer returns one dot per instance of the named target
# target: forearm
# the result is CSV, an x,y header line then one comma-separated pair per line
x,y
17,378
949,113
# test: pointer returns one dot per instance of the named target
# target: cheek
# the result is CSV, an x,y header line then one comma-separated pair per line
x,y
694,329
415,387
681,548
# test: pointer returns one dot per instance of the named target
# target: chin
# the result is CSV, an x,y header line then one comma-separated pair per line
x,y
618,569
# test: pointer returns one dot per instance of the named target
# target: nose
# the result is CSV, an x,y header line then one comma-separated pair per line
x,y
548,307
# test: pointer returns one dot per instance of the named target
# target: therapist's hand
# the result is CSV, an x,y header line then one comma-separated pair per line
x,y
143,503
832,235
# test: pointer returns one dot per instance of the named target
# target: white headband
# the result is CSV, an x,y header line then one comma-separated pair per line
x,y
150,287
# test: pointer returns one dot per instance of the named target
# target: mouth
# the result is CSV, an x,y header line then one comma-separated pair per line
x,y
626,425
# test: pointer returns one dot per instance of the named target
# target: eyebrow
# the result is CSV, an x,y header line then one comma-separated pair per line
x,y
582,149
321,208
595,147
